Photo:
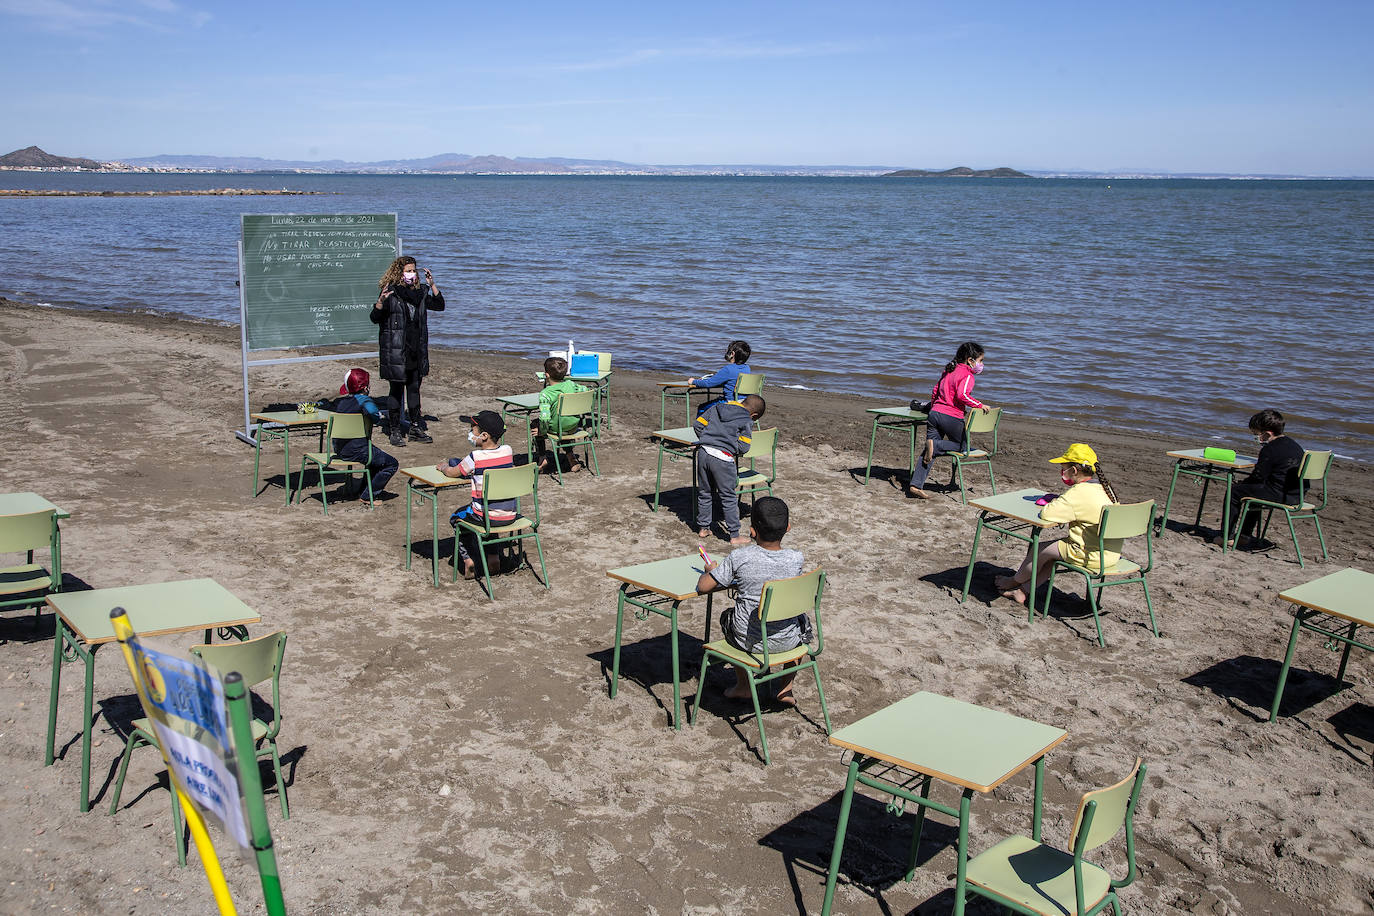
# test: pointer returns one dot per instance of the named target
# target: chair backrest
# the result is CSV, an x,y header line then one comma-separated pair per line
x,y
575,404
783,599
603,362
1315,465
28,531
975,421
763,443
1127,520
509,483
256,660
348,426
748,383
1103,812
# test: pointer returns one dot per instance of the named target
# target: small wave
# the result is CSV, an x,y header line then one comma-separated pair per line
x,y
797,387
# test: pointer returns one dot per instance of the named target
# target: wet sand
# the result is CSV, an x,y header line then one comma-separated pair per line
x,y
450,754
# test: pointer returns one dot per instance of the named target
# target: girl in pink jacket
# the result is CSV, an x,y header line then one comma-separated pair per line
x,y
950,399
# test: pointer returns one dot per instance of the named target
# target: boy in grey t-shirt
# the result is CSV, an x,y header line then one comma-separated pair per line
x,y
746,570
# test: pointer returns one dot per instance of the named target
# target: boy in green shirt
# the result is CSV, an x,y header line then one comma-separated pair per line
x,y
556,383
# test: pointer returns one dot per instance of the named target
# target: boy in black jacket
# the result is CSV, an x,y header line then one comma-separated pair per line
x,y
723,434
1275,476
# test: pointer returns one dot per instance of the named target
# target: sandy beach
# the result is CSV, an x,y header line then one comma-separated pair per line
x,y
449,754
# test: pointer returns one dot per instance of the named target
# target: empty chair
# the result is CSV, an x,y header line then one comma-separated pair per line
x,y
1028,876
28,584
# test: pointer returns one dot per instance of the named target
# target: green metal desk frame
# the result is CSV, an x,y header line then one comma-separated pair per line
x,y
1343,595
894,419
278,425
165,601
668,393
1010,515
1190,463
907,781
658,588
676,443
523,409
424,484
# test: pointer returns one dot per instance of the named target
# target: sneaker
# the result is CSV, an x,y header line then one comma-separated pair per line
x,y
398,439
419,435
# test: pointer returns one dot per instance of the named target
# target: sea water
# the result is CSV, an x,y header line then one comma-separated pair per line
x,y
1179,306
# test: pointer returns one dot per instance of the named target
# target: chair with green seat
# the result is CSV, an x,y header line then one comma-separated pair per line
x,y
504,484
28,585
328,464
1118,522
577,411
1315,467
752,481
1027,876
256,660
748,383
781,599
977,423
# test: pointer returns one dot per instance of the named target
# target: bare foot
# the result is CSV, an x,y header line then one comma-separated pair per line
x,y
1015,594
735,693
704,533
740,542
785,698
928,453
917,493
1006,583
469,569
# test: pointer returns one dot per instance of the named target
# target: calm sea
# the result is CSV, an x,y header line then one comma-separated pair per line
x,y
1167,305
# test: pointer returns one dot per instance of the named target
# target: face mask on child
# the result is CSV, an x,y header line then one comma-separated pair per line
x,y
472,437
977,368
1068,481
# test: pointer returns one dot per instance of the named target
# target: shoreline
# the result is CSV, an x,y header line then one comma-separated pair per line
x,y
208,192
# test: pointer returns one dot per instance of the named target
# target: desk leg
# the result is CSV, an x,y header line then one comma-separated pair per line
x,y
59,640
615,653
1226,514
1032,585
1202,503
89,701
286,464
961,868
1039,797
1345,656
658,478
410,498
1164,519
968,575
662,407
872,440
1287,663
845,802
916,833
677,680
911,451
434,536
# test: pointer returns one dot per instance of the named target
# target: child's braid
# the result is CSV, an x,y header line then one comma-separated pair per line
x,y
1101,476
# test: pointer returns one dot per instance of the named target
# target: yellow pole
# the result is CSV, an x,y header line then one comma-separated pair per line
x,y
206,849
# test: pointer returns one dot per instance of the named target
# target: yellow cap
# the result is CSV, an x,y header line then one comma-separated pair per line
x,y
1078,453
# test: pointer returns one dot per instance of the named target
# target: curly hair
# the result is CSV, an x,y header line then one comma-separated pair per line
x,y
392,277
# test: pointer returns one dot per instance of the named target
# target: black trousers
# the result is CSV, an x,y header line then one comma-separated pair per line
x,y
403,402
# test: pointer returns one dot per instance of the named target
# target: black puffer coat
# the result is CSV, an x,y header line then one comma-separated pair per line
x,y
402,321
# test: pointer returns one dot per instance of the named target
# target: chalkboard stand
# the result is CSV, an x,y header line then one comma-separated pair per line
x,y
248,433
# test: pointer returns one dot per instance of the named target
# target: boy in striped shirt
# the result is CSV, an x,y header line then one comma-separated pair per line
x,y
488,453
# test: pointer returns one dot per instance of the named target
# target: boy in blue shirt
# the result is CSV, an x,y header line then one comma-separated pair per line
x,y
724,432
736,364
354,399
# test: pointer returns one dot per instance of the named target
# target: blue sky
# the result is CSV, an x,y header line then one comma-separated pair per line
x,y
1257,87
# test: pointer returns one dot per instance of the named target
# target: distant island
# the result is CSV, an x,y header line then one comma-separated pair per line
x,y
205,192
960,171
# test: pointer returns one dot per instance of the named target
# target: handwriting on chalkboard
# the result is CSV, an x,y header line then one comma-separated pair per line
x,y
310,279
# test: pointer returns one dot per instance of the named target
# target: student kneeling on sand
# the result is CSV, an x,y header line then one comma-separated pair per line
x,y
488,453
746,570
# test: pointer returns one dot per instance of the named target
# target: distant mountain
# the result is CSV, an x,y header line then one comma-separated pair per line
x,y
444,162
32,157
961,171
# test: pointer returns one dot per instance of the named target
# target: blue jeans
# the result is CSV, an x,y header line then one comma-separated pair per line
x,y
948,435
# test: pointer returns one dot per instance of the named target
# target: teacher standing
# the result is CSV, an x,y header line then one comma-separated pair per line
x,y
401,315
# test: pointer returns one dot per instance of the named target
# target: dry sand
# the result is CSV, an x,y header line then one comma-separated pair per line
x,y
447,754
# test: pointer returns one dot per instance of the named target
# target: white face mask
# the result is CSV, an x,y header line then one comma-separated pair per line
x,y
472,437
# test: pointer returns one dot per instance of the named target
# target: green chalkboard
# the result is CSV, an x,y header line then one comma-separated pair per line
x,y
310,279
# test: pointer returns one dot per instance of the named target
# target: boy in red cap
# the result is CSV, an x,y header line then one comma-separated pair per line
x,y
354,398
485,434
